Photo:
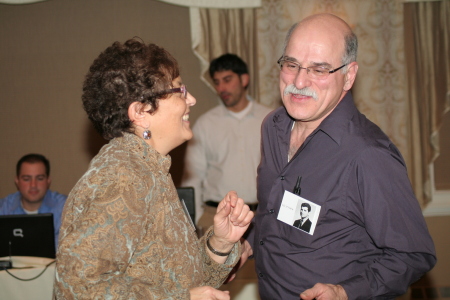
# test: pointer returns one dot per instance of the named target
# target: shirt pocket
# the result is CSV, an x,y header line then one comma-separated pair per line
x,y
297,238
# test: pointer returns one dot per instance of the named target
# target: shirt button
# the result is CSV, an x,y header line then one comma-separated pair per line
x,y
272,211
260,275
282,177
261,242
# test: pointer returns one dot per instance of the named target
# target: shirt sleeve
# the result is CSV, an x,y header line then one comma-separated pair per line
x,y
215,273
381,199
195,168
2,206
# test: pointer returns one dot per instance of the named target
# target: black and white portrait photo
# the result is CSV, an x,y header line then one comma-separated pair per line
x,y
304,223
299,212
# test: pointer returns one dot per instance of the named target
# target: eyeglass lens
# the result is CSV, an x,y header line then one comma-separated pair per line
x,y
293,68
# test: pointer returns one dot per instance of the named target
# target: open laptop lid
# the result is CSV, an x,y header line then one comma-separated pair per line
x,y
30,235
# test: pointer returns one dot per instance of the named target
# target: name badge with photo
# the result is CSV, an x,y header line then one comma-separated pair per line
x,y
299,212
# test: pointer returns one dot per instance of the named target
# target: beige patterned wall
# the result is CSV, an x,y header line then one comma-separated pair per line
x,y
46,49
379,90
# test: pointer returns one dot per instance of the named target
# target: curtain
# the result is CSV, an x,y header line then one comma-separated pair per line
x,y
20,1
219,27
214,3
226,31
427,35
190,3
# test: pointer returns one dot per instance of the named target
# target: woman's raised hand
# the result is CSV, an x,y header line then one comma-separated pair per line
x,y
231,221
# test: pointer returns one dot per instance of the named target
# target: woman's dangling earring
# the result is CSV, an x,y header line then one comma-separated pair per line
x,y
147,134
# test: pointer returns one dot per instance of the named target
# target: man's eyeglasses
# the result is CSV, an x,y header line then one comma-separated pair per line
x,y
182,89
315,72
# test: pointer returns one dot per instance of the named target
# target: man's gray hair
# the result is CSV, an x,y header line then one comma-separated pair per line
x,y
288,37
351,50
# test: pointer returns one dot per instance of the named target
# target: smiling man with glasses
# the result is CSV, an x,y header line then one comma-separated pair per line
x,y
369,239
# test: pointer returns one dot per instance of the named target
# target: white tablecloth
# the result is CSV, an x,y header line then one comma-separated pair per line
x,y
25,267
244,287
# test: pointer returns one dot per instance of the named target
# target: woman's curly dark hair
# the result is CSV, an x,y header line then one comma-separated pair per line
x,y
123,74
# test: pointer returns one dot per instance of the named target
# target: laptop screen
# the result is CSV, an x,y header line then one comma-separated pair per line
x,y
27,235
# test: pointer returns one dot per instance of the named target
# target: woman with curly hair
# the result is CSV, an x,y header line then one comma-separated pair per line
x,y
124,233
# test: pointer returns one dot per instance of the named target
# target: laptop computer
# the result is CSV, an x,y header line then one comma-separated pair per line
x,y
27,235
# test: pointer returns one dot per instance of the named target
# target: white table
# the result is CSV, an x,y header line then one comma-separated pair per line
x,y
24,267
244,287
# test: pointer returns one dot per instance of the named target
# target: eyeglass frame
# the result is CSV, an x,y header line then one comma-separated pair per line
x,y
182,89
282,59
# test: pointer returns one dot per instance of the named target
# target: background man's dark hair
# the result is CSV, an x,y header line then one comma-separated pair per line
x,y
228,62
33,158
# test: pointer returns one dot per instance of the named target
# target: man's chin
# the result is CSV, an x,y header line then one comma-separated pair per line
x,y
35,199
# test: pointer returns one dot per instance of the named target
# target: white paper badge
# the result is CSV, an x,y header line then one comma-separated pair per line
x,y
299,212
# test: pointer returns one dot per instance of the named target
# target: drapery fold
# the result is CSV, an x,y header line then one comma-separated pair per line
x,y
219,31
216,3
427,36
190,3
20,1
219,27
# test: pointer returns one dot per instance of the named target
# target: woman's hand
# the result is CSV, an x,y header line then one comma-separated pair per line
x,y
231,221
208,293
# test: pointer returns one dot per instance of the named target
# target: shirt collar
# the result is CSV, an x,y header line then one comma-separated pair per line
x,y
147,153
334,125
240,115
45,206
249,110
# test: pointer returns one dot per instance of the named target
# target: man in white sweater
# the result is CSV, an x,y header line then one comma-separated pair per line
x,y
225,151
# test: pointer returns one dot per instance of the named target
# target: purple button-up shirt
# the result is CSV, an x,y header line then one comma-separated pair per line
x,y
370,236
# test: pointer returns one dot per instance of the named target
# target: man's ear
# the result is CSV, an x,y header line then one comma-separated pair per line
x,y
137,114
16,181
245,80
350,76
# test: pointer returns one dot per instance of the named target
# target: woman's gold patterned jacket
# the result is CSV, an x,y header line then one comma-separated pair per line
x,y
124,234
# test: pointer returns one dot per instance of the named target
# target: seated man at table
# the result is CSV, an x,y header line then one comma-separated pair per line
x,y
33,195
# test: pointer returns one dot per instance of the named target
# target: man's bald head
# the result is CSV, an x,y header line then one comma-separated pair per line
x,y
335,27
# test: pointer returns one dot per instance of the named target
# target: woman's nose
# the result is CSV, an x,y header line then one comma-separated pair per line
x,y
190,100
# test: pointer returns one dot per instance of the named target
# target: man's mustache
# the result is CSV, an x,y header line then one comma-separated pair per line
x,y
306,91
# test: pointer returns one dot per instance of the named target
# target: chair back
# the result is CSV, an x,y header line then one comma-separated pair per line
x,y
188,195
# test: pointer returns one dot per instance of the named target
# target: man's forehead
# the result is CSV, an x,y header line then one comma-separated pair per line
x,y
35,168
314,49
223,74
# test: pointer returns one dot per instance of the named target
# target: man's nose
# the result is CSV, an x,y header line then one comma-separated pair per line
x,y
302,79
220,87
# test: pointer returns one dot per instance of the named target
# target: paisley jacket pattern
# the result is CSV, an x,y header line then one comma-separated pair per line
x,y
124,234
